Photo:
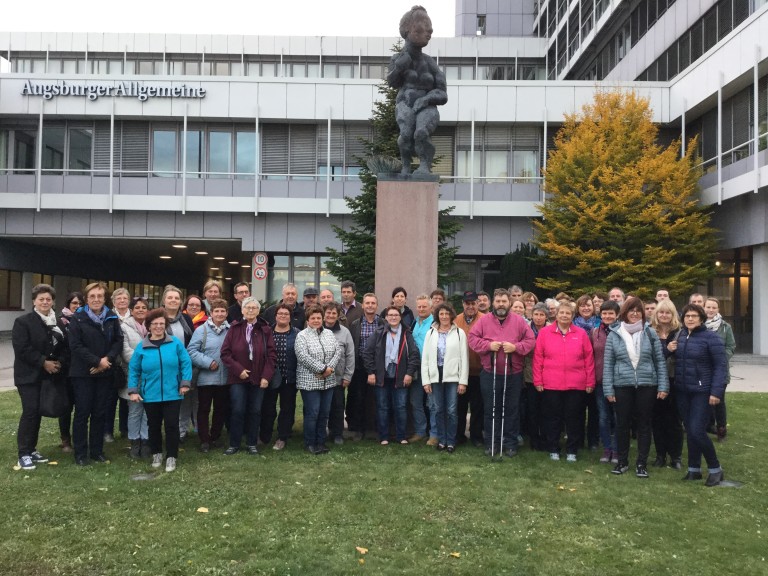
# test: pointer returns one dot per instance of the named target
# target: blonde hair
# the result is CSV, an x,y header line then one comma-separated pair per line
x,y
668,306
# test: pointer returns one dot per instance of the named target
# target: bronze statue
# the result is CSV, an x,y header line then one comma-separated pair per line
x,y
421,89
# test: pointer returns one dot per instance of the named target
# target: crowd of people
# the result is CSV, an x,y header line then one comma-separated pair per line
x,y
602,368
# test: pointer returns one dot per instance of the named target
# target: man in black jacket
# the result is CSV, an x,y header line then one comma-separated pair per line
x,y
235,312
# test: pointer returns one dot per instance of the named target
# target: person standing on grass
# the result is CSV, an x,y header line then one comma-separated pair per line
x,y
248,353
284,336
445,372
343,370
95,343
159,375
71,304
701,368
121,300
634,377
180,325
212,391
421,325
39,349
134,331
317,355
716,324
609,313
502,340
473,399
564,372
533,419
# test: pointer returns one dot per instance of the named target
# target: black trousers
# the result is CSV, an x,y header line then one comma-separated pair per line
x,y
65,422
287,416
534,418
564,407
29,423
159,413
357,400
336,416
472,402
91,395
638,403
667,428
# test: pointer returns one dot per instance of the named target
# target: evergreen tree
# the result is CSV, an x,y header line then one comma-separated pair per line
x,y
522,267
620,209
357,258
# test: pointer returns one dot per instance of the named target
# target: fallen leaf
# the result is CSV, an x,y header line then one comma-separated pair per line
x,y
588,471
103,489
362,561
53,463
17,467
571,489
455,554
361,549
529,549
298,483
561,487
203,510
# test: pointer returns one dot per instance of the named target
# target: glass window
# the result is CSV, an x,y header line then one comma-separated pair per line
x,y
463,164
496,165
176,67
298,70
164,152
221,68
192,68
219,154
245,150
268,69
129,67
146,67
313,70
24,150
69,67
205,68
376,71
467,72
10,290
114,67
253,69
451,72
236,68
4,139
53,148
345,71
80,140
277,279
54,66
525,165
329,70
327,280
194,153
84,67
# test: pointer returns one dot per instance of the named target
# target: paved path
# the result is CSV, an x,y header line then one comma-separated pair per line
x,y
748,373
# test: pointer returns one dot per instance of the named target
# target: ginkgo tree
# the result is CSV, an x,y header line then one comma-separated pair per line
x,y
620,209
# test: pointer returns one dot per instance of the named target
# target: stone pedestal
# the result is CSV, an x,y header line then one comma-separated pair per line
x,y
406,238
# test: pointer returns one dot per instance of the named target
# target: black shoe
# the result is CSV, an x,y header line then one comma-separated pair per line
x,y
38,458
311,449
440,447
205,447
478,443
641,471
101,459
693,476
82,461
676,464
231,450
620,469
714,479
659,462
252,450
511,453
450,449
322,449
135,452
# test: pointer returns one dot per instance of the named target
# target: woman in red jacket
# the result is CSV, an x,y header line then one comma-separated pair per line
x,y
564,372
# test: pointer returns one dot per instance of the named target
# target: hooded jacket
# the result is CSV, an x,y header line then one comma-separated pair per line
x,y
157,373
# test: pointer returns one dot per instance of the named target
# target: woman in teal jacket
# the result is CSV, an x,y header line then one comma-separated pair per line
x,y
634,376
159,375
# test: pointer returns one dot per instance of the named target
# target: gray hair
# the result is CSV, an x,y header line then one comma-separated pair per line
x,y
118,292
541,307
250,300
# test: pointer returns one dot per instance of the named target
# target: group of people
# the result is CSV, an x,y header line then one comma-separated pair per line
x,y
516,366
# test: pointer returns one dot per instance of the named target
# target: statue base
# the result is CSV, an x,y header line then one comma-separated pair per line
x,y
406,237
413,177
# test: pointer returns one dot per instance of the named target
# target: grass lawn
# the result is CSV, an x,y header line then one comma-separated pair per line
x,y
416,511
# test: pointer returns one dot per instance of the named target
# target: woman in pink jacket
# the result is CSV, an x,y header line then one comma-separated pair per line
x,y
564,372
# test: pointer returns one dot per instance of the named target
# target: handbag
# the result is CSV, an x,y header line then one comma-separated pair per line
x,y
54,401
196,369
277,379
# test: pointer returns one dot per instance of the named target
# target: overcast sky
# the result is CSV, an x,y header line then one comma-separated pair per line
x,y
258,17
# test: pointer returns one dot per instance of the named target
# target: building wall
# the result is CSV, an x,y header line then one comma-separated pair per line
x,y
503,17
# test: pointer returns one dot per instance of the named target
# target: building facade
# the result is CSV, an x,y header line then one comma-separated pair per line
x,y
114,148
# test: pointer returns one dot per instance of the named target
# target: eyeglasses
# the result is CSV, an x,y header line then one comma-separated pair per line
x,y
245,292
692,316
158,324
634,312
393,315
250,308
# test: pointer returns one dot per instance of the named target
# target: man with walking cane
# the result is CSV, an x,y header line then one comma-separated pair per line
x,y
502,340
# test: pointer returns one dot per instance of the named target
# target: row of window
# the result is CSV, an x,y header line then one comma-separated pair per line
x,y
715,25
490,70
229,151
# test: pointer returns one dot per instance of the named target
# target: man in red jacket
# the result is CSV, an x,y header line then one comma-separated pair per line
x,y
507,338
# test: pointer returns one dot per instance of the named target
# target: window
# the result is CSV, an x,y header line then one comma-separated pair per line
x,y
480,28
525,165
245,150
24,150
164,152
80,140
53,148
194,153
10,290
4,139
219,154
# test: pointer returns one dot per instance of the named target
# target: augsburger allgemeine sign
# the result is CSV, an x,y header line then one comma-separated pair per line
x,y
138,90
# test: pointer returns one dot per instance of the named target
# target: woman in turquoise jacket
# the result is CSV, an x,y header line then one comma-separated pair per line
x,y
159,375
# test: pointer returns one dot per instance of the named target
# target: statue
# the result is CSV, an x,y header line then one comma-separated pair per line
x,y
421,89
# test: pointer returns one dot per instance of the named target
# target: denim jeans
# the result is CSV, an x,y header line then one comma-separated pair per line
x,y
137,421
509,403
91,395
695,410
607,420
317,406
245,413
188,412
390,398
417,409
444,398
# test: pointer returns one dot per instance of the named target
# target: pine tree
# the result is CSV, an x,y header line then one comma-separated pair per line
x,y
620,209
356,259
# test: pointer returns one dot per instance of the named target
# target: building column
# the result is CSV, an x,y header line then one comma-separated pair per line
x,y
760,299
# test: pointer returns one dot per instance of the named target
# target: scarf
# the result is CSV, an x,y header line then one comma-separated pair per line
x,y
138,326
713,324
98,319
392,349
632,334
50,321
217,329
184,326
124,316
199,318
66,314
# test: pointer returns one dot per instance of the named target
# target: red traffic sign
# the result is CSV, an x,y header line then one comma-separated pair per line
x,y
260,260
260,273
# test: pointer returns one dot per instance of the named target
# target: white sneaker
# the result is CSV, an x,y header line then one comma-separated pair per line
x,y
170,464
570,458
157,460
26,463
554,456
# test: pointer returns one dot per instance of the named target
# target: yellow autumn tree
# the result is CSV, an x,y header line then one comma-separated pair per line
x,y
620,210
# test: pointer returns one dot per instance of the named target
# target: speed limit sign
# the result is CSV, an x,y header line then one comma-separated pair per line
x,y
259,260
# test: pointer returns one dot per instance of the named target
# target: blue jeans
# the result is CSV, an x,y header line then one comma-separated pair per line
x,y
388,397
695,411
137,421
510,404
317,406
245,405
417,409
445,398
606,419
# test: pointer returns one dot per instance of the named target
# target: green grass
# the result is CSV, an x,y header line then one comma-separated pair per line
x,y
411,507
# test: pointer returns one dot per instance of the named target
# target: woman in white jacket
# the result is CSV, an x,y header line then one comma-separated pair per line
x,y
444,372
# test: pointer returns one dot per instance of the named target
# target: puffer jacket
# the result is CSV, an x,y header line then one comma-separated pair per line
x,y
316,350
701,364
563,361
157,373
456,362
617,367
203,355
